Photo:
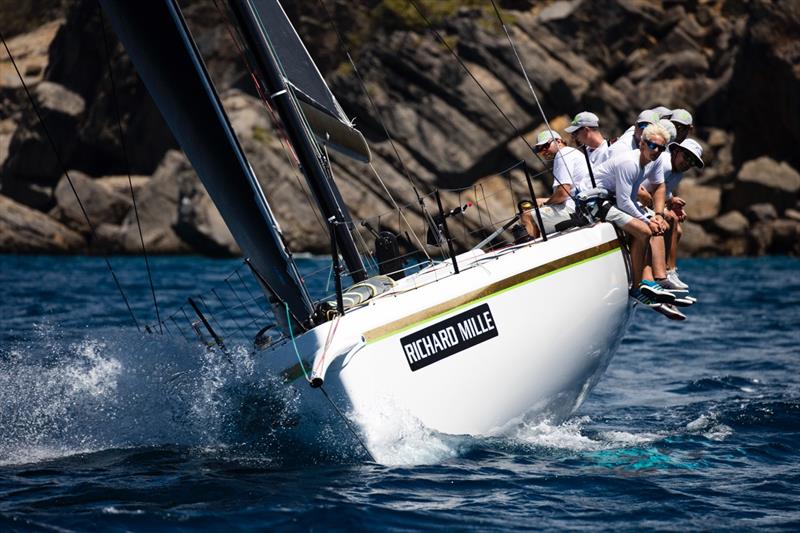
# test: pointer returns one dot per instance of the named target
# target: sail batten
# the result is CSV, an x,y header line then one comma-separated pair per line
x,y
169,64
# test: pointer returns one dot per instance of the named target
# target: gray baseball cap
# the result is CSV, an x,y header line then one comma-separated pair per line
x,y
583,119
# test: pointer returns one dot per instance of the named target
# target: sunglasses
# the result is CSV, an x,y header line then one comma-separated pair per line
x,y
541,147
689,158
655,146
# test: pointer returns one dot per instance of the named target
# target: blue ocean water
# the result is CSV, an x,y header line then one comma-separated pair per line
x,y
695,424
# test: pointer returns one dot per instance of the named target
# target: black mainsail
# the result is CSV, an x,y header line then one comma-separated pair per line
x,y
307,108
167,60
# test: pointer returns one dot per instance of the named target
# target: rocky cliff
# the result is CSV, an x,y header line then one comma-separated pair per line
x,y
734,64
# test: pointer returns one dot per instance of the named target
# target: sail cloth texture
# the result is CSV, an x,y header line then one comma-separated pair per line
x,y
167,60
324,114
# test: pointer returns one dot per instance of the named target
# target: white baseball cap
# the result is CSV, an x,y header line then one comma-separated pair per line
x,y
670,127
681,116
663,112
691,148
649,116
583,119
546,136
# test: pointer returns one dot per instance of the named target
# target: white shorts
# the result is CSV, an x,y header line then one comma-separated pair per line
x,y
552,215
618,217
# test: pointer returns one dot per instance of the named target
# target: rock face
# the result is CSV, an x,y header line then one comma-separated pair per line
x,y
101,204
27,231
764,180
733,64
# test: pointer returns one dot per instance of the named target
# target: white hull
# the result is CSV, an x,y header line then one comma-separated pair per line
x,y
545,320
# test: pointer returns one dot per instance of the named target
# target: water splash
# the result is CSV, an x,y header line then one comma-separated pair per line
x,y
113,389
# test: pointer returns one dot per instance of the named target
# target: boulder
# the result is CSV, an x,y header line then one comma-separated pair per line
x,y
200,225
785,237
735,246
108,240
30,51
7,128
761,236
702,202
120,185
792,214
761,213
764,180
732,223
32,168
696,242
27,231
157,205
102,205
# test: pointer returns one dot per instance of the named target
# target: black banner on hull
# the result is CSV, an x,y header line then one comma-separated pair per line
x,y
445,338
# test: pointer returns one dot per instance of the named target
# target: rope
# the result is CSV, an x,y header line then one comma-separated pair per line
x,y
348,424
69,180
128,164
400,212
294,343
382,122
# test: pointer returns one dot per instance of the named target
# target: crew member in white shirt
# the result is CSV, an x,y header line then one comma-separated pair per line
x,y
684,123
585,132
680,158
569,170
630,139
622,175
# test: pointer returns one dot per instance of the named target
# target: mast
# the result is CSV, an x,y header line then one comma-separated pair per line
x,y
168,62
283,98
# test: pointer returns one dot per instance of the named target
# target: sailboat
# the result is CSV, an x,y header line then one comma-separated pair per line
x,y
474,344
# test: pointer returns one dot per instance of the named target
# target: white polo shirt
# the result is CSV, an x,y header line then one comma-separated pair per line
x,y
622,175
569,168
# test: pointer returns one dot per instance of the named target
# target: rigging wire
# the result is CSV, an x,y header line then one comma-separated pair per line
x,y
124,147
533,92
288,151
426,215
69,179
466,69
322,389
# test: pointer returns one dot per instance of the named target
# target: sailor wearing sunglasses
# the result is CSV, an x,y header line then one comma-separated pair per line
x,y
569,170
621,176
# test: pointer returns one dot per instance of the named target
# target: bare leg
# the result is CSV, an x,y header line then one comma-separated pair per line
x,y
672,253
527,220
640,233
658,257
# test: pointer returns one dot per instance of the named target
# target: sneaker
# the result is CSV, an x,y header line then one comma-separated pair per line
x,y
668,285
684,301
670,311
672,276
656,292
667,310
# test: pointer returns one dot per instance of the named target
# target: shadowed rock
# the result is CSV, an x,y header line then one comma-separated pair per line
x,y
102,204
26,231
